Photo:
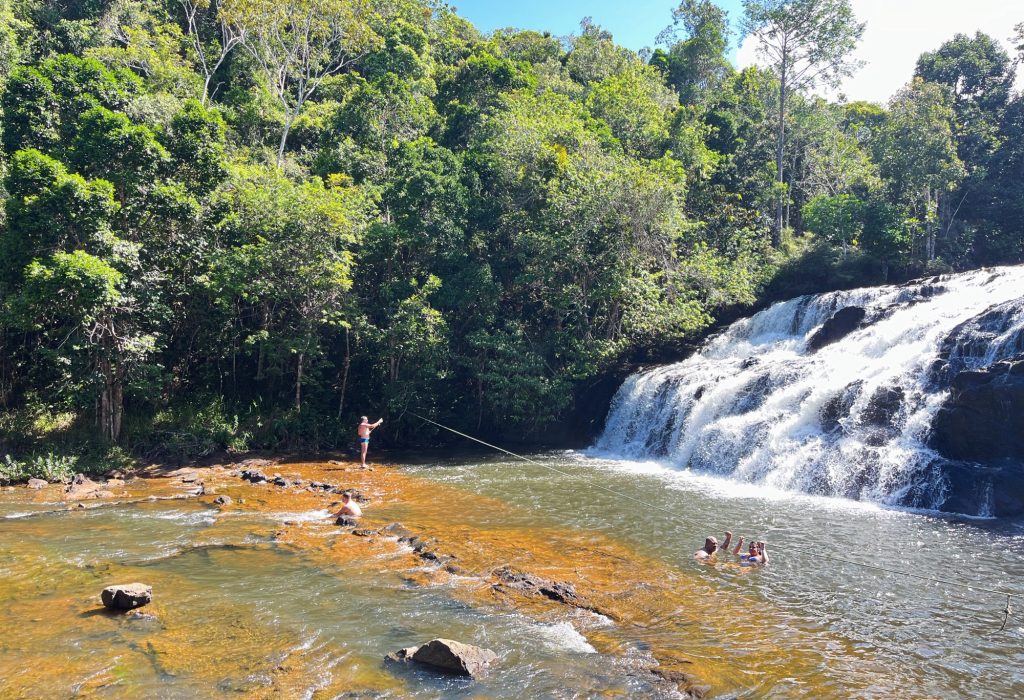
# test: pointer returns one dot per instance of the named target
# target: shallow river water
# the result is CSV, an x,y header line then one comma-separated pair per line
x,y
267,598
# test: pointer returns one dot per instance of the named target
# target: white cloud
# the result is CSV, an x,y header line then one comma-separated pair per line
x,y
898,31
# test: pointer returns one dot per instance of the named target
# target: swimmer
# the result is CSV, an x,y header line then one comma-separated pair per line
x,y
757,554
349,507
709,549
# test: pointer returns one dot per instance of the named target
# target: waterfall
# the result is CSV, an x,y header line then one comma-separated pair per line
x,y
771,400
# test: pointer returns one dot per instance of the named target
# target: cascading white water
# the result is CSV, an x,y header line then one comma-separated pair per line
x,y
757,403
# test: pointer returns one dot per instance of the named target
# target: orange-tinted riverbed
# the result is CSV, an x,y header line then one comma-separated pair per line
x,y
267,597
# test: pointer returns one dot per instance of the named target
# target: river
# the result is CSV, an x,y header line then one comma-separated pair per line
x,y
267,598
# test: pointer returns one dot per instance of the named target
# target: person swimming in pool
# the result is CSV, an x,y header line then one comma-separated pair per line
x,y
364,430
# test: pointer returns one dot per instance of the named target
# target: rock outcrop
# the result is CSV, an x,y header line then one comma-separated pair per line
x,y
983,418
842,323
127,597
37,483
448,656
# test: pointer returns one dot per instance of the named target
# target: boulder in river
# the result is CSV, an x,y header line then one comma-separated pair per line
x,y
253,476
842,323
127,597
37,483
448,656
223,500
346,521
82,488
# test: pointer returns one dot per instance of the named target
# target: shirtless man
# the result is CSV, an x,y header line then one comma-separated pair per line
x,y
709,549
365,427
349,507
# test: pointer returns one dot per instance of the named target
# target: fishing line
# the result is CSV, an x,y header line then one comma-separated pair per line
x,y
873,567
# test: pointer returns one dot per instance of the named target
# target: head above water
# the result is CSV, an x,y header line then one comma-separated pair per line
x,y
710,544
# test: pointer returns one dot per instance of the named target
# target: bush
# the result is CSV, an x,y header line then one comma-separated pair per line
x,y
50,467
191,431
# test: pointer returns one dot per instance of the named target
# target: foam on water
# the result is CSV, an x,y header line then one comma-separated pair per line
x,y
758,405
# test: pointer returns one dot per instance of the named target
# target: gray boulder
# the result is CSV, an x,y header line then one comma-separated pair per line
x,y
127,597
37,483
448,656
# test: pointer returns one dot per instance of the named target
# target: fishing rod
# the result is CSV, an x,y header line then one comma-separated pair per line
x,y
874,567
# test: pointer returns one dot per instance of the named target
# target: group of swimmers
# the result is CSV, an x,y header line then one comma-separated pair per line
x,y
756,554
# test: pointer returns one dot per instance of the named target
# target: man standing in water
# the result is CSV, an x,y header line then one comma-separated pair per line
x,y
365,427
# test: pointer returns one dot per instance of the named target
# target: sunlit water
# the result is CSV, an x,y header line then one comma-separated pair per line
x,y
884,635
241,611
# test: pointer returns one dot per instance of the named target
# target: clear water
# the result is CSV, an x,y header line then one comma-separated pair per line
x,y
242,610
874,634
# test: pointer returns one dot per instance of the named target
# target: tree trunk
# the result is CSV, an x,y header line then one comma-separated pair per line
x,y
111,403
344,375
779,154
298,384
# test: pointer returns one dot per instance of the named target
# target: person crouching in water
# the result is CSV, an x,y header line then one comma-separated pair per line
x,y
348,507
364,430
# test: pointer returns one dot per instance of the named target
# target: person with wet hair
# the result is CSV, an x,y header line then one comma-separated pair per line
x,y
708,550
756,555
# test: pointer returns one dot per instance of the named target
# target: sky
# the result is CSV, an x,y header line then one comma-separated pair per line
x,y
898,31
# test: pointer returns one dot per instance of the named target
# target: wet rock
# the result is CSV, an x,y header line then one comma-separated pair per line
x,y
884,407
842,323
448,656
455,570
223,500
253,476
37,483
396,530
127,597
115,483
346,521
982,420
82,488
530,584
363,532
115,474
279,481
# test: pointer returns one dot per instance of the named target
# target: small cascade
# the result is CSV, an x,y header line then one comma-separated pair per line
x,y
831,394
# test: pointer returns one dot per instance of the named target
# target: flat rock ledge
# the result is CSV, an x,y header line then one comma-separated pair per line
x,y
447,656
127,597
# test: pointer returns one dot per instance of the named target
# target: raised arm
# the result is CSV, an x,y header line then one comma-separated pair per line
x,y
377,424
739,546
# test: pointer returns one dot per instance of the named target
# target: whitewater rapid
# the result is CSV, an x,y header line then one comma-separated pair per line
x,y
758,403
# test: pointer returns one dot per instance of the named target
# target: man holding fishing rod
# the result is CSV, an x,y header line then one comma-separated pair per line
x,y
364,430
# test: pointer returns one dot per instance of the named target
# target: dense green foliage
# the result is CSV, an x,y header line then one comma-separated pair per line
x,y
243,223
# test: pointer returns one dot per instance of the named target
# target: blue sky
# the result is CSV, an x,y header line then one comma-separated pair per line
x,y
634,23
898,31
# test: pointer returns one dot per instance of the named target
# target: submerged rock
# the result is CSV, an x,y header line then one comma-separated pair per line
x,y
127,597
448,656
530,584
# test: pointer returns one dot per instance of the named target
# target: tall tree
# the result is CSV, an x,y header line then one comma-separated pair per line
x,y
213,37
807,43
697,41
300,43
